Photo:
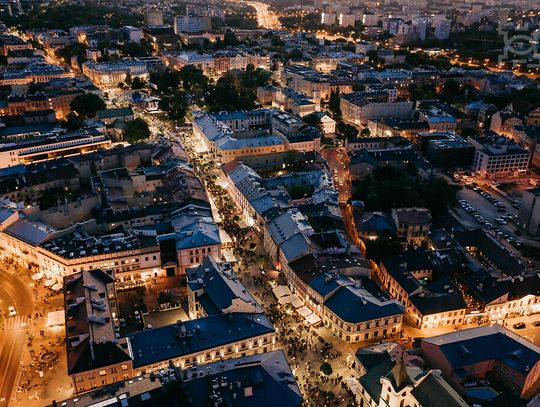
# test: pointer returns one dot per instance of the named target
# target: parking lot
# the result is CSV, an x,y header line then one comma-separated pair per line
x,y
491,211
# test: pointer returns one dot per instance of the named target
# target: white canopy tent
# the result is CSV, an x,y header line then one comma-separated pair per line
x,y
285,300
50,282
313,319
55,318
296,302
281,291
304,311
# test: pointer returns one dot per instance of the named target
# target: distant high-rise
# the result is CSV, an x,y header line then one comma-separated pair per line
x,y
346,20
420,24
192,24
328,18
442,29
153,17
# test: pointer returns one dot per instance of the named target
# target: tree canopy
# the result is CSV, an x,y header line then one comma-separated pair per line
x,y
87,105
175,106
136,130
65,16
228,96
390,187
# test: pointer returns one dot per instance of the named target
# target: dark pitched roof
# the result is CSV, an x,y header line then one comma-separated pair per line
x,y
180,339
429,393
265,380
476,345
353,308
399,376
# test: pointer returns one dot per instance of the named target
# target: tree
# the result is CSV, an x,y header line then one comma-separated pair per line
x,y
334,103
137,83
65,16
229,39
254,78
290,157
373,56
365,132
175,106
346,131
76,49
73,121
136,130
358,87
313,120
451,90
326,368
166,80
384,245
87,105
422,92
228,96
192,77
469,132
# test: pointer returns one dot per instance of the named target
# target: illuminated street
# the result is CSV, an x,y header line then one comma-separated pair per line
x,y
13,292
265,17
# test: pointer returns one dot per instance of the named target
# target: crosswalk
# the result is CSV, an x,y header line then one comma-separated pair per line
x,y
16,322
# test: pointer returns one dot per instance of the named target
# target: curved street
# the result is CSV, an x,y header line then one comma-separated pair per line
x,y
13,291
265,17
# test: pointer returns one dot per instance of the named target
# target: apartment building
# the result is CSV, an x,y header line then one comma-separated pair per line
x,y
360,107
498,157
412,224
312,83
214,288
58,100
238,134
36,71
204,62
401,379
201,341
96,357
133,258
429,303
360,312
275,385
192,24
529,211
391,127
35,180
488,351
504,297
9,42
110,74
53,145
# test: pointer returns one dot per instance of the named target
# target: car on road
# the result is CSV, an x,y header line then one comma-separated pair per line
x,y
536,323
519,325
12,311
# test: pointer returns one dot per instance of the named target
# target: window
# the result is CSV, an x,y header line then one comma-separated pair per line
x,y
102,372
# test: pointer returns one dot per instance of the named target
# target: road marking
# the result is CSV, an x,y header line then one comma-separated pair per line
x,y
15,322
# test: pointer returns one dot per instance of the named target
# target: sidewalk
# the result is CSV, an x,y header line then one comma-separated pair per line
x,y
55,384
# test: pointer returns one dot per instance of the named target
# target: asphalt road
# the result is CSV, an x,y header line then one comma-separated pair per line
x,y
335,158
13,291
265,17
